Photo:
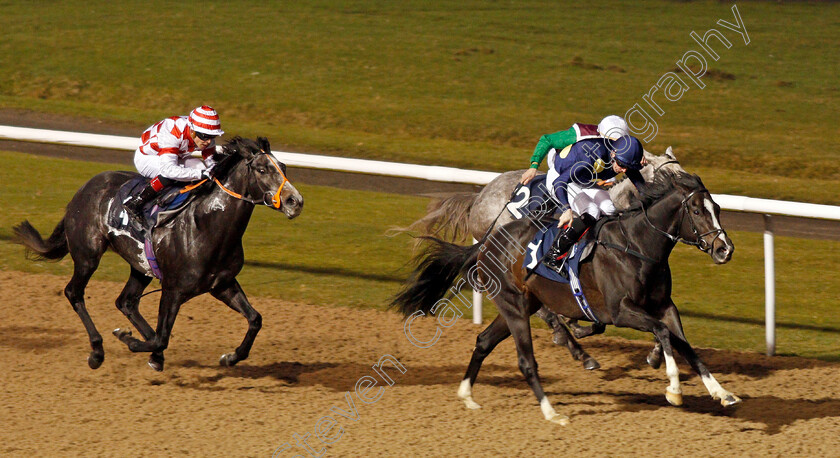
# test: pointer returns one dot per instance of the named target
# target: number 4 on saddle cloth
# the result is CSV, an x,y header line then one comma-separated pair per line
x,y
170,202
579,253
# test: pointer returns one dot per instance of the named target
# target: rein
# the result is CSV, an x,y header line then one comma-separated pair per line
x,y
275,201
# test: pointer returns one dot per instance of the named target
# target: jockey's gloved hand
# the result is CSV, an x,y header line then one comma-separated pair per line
x,y
207,174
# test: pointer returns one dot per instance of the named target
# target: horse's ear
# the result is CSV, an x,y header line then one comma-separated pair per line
x,y
263,144
670,153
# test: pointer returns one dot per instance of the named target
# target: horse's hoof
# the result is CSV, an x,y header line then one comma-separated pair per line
x,y
675,399
156,365
730,400
654,359
472,405
561,420
228,360
94,361
121,333
591,364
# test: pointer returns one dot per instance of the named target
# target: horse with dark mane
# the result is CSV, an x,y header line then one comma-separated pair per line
x,y
627,281
199,250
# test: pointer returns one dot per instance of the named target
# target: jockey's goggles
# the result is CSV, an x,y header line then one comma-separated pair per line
x,y
203,136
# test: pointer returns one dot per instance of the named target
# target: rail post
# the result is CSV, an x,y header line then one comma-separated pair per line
x,y
477,301
769,287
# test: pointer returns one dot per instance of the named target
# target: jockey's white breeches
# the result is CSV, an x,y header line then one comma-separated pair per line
x,y
582,199
592,200
169,166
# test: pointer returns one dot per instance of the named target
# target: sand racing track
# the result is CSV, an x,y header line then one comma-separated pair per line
x,y
306,364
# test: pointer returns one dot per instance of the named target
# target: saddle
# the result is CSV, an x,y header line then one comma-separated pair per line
x,y
159,211
580,253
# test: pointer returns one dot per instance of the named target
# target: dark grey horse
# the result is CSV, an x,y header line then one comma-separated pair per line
x,y
198,251
625,289
457,217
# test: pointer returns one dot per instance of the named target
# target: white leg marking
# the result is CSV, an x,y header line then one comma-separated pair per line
x,y
673,393
465,394
726,398
549,413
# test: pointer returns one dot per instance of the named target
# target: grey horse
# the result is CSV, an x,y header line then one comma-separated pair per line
x,y
462,215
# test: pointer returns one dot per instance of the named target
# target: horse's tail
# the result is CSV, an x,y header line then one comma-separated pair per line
x,y
445,218
440,265
53,249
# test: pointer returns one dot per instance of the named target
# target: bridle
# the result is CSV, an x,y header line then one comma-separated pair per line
x,y
269,199
701,242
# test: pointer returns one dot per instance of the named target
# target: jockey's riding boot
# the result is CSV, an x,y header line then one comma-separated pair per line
x,y
134,205
571,233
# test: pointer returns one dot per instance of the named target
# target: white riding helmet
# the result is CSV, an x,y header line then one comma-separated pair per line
x,y
613,127
204,119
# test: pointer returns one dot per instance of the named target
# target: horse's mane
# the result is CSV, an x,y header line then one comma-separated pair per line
x,y
662,185
232,153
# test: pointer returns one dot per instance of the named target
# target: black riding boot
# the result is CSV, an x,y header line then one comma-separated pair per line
x,y
567,237
134,205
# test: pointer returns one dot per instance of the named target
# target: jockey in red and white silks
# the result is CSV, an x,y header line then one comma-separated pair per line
x,y
165,154
168,145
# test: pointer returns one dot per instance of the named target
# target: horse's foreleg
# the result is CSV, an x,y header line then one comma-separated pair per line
x,y
672,320
75,293
129,304
629,317
654,358
484,344
562,336
585,331
170,304
233,296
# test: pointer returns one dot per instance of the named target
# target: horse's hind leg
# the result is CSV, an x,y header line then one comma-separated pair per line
x,y
484,344
83,268
518,321
129,304
672,320
234,297
561,336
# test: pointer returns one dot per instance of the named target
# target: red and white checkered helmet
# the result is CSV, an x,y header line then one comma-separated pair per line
x,y
204,119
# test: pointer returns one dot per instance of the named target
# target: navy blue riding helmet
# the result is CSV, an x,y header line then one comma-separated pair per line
x,y
628,152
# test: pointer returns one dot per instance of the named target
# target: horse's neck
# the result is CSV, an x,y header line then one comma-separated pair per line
x,y
224,211
664,215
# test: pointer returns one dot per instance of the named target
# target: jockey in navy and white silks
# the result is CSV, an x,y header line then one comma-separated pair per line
x,y
573,177
611,127
165,153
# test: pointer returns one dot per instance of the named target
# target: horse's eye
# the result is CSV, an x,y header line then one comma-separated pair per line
x,y
261,170
696,212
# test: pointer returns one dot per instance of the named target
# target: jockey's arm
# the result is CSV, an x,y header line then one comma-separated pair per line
x,y
557,140
636,178
169,168
207,154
